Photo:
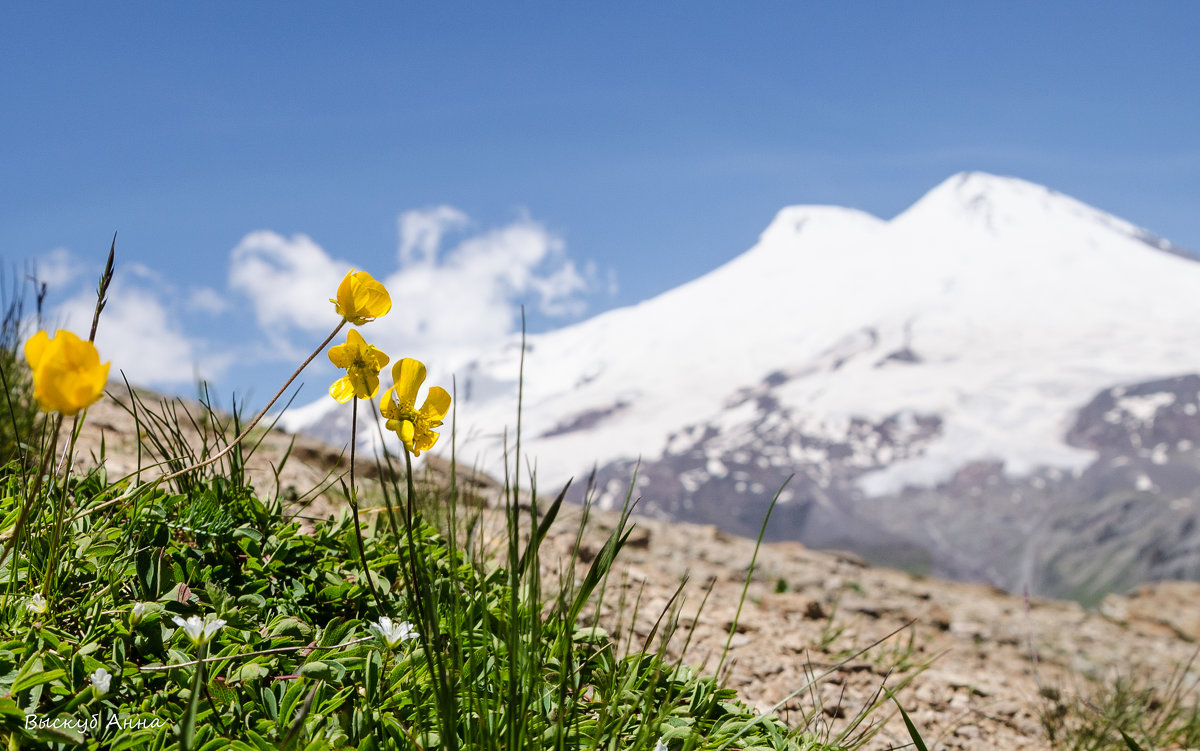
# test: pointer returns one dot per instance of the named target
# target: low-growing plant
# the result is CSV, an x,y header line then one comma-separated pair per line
x,y
175,608
1124,713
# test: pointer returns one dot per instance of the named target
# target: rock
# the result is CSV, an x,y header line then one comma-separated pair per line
x,y
1174,604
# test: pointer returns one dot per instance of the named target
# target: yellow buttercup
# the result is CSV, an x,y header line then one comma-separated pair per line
x,y
362,362
398,405
360,298
67,373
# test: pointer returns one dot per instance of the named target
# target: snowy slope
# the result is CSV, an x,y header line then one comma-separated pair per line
x,y
1000,383
1003,305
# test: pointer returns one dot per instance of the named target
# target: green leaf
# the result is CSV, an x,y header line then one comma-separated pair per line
x,y
321,670
140,739
36,679
1131,743
251,671
9,708
252,601
908,723
59,735
374,666
220,691
291,626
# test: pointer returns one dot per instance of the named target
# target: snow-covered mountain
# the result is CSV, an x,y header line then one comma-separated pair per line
x,y
927,380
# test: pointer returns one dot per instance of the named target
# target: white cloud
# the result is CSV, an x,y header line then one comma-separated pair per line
x,y
137,334
455,303
447,304
421,232
57,269
289,283
207,300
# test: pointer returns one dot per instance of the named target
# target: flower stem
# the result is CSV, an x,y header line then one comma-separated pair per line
x,y
391,473
362,552
221,454
423,604
236,441
32,498
67,460
187,727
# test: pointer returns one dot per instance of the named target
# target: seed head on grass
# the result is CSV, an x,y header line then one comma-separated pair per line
x,y
398,406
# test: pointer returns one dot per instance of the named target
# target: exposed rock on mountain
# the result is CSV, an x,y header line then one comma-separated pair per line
x,y
993,385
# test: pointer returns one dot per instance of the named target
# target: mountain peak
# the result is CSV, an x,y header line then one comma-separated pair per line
x,y
998,202
923,371
793,221
991,199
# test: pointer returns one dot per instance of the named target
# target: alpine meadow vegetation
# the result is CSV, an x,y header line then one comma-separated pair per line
x,y
189,611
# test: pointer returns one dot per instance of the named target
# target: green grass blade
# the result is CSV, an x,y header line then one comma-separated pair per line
x,y
908,723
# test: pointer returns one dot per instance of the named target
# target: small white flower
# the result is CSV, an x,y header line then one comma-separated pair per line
x,y
661,745
101,681
199,631
37,604
138,613
393,634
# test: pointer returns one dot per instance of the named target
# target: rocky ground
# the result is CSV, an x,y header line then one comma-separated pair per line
x,y
975,668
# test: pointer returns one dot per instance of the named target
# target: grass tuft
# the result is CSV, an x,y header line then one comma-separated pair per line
x,y
177,608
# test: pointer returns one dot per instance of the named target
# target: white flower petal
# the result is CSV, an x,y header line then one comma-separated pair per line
x,y
101,680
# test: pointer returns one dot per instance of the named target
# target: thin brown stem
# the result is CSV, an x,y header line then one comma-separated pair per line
x,y
235,442
245,432
276,650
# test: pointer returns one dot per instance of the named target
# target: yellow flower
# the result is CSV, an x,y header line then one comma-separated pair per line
x,y
398,406
362,363
67,373
360,298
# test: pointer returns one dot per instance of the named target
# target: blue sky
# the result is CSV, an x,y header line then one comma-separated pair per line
x,y
570,157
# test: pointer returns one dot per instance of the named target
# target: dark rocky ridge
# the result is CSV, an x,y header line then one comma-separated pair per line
x,y
1132,515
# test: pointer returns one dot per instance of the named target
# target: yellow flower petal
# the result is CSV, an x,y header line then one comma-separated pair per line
x,y
362,363
67,373
408,375
387,405
424,442
414,428
366,383
437,404
36,347
342,390
342,355
360,298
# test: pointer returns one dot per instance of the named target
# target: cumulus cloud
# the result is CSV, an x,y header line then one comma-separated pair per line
x,y
471,295
207,300
288,281
57,269
421,232
138,335
448,303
